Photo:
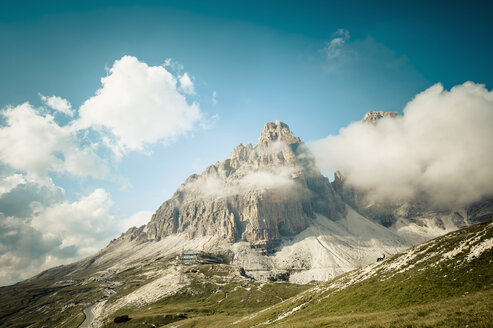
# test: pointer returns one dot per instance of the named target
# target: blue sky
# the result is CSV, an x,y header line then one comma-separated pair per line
x,y
315,65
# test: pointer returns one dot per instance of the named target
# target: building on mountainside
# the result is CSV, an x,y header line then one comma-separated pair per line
x,y
190,257
187,258
266,247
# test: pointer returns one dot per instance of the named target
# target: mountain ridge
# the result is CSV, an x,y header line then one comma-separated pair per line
x,y
260,194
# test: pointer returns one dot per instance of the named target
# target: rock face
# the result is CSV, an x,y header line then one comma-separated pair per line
x,y
388,214
480,211
260,194
374,115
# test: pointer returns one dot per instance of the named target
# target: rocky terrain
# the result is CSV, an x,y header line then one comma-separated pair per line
x,y
374,115
261,194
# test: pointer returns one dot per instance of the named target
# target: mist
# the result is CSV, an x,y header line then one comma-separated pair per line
x,y
441,148
259,180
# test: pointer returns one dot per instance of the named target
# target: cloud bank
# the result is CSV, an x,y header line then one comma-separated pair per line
x,y
441,148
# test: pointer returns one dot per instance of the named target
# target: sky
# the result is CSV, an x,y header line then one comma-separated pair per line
x,y
106,107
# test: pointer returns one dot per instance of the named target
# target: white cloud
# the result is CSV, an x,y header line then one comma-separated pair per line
x,y
10,182
441,147
57,103
54,234
214,98
186,85
213,186
139,104
136,220
85,224
36,144
173,65
334,47
342,33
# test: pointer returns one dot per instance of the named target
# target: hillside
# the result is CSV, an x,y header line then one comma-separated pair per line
x,y
446,282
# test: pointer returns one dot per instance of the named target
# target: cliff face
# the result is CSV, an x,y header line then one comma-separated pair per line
x,y
260,194
374,115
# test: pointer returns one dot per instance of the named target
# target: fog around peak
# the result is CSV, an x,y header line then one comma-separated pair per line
x,y
440,148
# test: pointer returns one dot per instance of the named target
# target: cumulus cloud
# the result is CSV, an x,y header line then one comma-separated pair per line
x,y
57,103
334,47
29,195
54,234
10,182
186,85
22,249
34,143
82,223
440,149
136,220
139,104
173,65
214,98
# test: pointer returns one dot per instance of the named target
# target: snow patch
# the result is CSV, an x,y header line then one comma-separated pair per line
x,y
479,249
284,315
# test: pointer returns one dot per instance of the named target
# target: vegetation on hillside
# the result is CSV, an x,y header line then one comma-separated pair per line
x,y
446,282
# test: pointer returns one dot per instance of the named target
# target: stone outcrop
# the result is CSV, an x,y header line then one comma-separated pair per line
x,y
260,194
374,115
388,213
480,211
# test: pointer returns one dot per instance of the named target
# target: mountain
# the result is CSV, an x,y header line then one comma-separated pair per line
x,y
374,115
268,199
255,230
261,194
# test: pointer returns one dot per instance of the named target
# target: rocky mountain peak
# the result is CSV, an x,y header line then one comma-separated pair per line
x,y
374,115
277,131
260,194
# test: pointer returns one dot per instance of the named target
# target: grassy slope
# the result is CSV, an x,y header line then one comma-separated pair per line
x,y
215,293
427,290
421,291
46,303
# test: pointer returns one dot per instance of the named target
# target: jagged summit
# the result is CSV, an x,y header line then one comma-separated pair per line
x,y
260,194
277,131
374,115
